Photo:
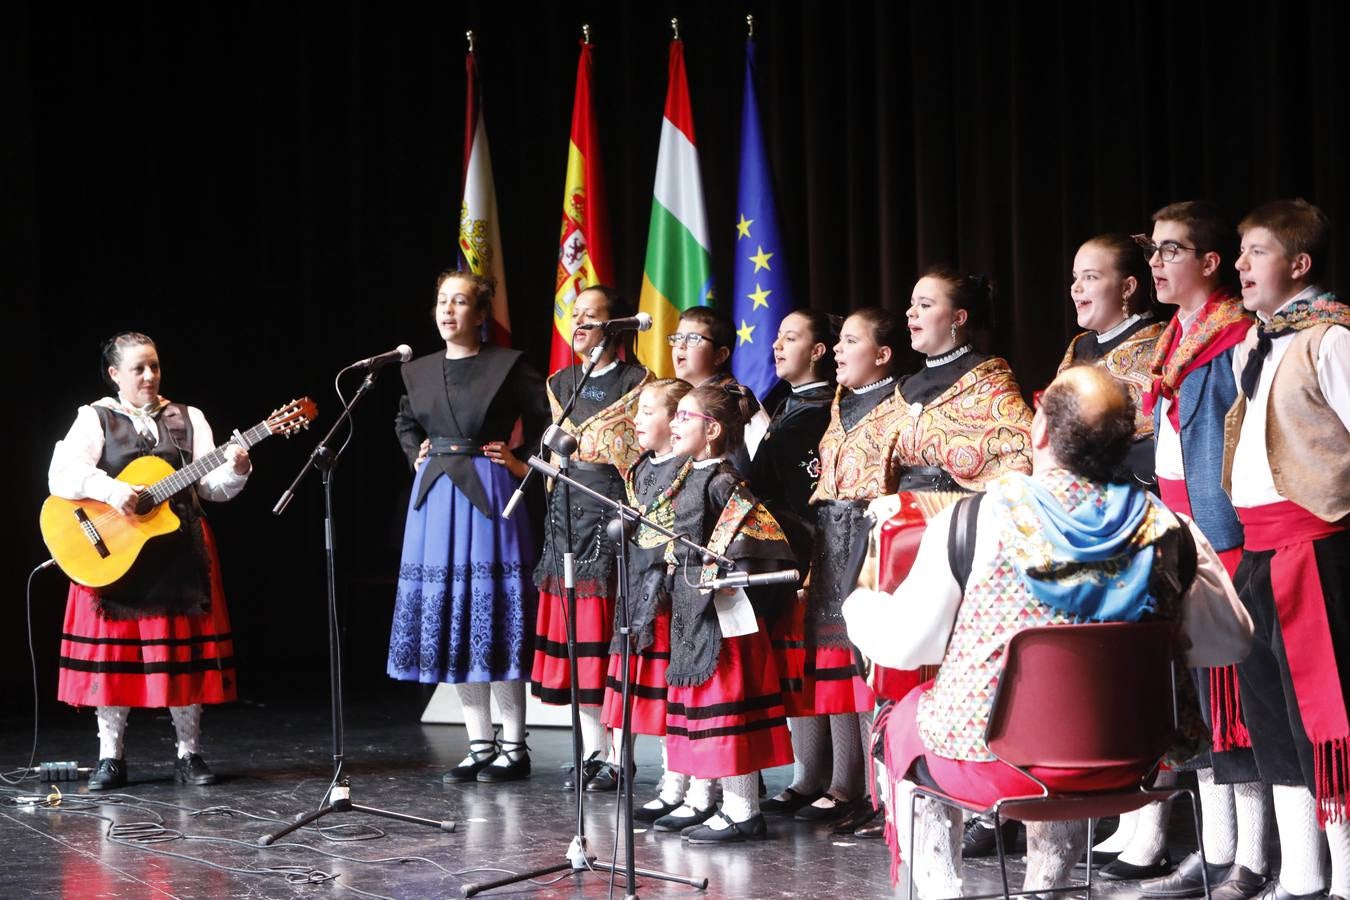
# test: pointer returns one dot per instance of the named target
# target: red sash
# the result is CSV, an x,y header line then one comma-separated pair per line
x,y
1300,604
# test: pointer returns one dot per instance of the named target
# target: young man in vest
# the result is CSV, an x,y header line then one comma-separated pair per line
x,y
1287,469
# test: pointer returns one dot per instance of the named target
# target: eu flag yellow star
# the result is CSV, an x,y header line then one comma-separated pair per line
x,y
743,227
745,332
761,260
760,297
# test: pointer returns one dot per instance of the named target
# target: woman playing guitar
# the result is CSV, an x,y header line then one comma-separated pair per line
x,y
160,635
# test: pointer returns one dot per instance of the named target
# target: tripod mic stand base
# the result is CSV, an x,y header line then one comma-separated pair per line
x,y
579,853
340,801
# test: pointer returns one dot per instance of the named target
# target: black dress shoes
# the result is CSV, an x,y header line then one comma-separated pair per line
x,y
516,755
481,754
192,769
861,817
672,822
590,767
647,813
1241,883
752,829
872,830
978,839
825,815
793,801
110,775
1119,870
1186,881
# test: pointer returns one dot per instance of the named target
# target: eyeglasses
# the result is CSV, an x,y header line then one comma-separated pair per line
x,y
1168,250
684,415
681,338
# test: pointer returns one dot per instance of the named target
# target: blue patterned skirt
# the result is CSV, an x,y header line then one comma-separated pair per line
x,y
466,600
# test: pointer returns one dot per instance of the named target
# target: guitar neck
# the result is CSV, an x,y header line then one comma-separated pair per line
x,y
192,473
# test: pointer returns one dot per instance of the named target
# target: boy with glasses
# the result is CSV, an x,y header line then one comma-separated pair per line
x,y
1190,395
700,350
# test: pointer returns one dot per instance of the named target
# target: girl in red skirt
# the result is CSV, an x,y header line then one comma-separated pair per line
x,y
724,714
602,422
159,636
857,465
651,483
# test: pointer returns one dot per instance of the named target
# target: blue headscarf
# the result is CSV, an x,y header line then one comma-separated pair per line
x,y
1091,561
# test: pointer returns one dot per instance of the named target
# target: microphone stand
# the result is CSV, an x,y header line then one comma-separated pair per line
x,y
580,859
338,798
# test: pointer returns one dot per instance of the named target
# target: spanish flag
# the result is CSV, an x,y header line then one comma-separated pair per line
x,y
678,270
583,249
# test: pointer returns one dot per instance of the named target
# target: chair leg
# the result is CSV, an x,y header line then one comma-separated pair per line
x,y
1002,856
909,860
1199,839
1087,857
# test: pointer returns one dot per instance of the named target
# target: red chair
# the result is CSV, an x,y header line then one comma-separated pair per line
x,y
1081,696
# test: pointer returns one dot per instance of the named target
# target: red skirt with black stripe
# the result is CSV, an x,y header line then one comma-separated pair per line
x,y
551,678
647,683
832,683
155,661
734,723
788,639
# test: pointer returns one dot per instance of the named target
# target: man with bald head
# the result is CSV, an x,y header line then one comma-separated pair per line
x,y
1060,546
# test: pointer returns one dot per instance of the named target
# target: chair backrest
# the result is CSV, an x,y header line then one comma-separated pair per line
x,y
1085,696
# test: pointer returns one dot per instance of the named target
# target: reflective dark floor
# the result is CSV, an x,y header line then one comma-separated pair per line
x,y
275,762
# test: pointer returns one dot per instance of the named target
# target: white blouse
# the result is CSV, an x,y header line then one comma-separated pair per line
x,y
74,473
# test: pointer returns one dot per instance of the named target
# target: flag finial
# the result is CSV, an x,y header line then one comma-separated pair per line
x,y
675,28
586,34
468,36
750,25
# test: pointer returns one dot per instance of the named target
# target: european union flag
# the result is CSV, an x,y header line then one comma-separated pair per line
x,y
762,295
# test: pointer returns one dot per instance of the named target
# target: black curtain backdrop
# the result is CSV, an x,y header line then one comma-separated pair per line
x,y
269,190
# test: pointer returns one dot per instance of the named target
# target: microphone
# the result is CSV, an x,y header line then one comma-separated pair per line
x,y
640,322
401,353
745,579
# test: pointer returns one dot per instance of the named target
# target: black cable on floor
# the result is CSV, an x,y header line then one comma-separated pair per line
x,y
17,776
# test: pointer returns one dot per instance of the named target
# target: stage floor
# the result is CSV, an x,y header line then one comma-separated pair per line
x,y
275,761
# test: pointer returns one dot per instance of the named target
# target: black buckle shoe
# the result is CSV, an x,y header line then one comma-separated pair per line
x,y
590,767
516,754
192,769
110,775
978,839
650,814
1186,881
672,822
794,801
1119,870
481,753
752,829
824,815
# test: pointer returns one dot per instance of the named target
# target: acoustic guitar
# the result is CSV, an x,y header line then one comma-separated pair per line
x,y
95,545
